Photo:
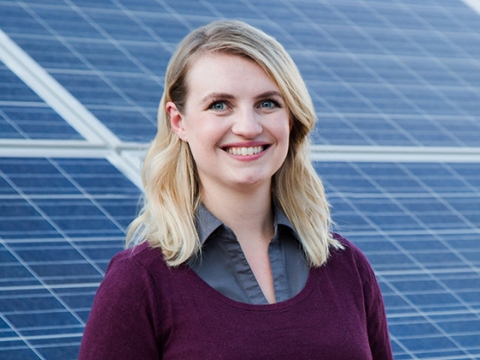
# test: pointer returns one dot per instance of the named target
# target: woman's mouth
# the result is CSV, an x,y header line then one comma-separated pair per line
x,y
245,151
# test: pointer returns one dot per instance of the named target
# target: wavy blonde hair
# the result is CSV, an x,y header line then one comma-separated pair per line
x,y
171,184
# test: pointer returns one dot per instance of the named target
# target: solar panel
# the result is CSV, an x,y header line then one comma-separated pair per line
x,y
61,222
418,225
365,58
382,74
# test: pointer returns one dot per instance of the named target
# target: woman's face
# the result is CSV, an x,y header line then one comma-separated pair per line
x,y
235,121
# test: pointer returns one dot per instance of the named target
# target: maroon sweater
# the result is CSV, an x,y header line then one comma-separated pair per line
x,y
146,310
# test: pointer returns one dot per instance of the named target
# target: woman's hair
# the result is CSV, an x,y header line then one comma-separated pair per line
x,y
170,180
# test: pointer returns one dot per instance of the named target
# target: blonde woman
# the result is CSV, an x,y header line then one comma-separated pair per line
x,y
232,256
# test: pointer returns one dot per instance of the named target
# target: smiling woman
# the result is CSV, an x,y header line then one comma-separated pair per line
x,y
236,125
232,255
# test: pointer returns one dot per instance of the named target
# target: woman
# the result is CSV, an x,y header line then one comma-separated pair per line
x,y
233,254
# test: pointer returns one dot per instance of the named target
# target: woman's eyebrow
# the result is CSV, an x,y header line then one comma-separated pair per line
x,y
268,94
216,96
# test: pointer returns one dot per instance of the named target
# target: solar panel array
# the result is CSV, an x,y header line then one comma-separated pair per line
x,y
381,73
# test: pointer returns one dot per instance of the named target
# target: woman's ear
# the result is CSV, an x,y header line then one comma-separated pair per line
x,y
176,120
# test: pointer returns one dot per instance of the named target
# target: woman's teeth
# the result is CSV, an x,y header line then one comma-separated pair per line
x,y
245,151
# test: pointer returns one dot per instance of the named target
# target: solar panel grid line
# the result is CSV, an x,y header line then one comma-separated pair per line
x,y
408,316
414,73
52,286
43,337
23,103
398,293
394,154
52,149
84,60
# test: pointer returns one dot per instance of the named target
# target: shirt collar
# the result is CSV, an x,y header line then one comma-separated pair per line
x,y
207,223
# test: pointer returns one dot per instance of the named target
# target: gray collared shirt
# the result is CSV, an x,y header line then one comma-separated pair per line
x,y
222,263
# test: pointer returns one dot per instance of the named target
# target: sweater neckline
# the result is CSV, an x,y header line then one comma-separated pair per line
x,y
204,286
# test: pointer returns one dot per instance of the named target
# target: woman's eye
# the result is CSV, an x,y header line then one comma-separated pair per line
x,y
268,104
218,105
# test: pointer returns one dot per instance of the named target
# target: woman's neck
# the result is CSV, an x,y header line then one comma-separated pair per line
x,y
248,214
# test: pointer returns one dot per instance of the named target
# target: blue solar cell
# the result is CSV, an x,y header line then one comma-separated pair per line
x,y
419,329
359,14
426,343
394,43
392,71
129,125
184,7
105,56
165,27
341,98
118,25
312,39
52,53
236,7
14,351
13,89
385,100
67,21
16,20
439,19
153,56
433,72
24,115
399,16
437,45
466,42
349,70
318,13
144,91
92,90
353,41
134,5
277,12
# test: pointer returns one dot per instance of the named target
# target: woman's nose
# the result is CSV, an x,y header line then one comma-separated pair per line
x,y
247,123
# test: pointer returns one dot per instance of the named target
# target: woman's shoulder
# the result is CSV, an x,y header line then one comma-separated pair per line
x,y
350,254
140,260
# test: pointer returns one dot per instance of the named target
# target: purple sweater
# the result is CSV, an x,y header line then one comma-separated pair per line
x,y
146,310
